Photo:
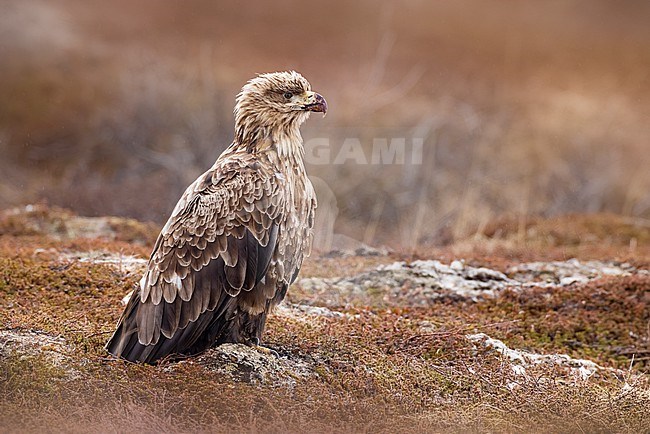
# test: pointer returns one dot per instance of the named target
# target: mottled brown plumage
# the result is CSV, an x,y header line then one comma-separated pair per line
x,y
237,237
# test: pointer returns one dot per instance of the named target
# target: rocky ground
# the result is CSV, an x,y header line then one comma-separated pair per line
x,y
546,330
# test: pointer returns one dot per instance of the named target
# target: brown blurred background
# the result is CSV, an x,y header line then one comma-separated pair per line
x,y
525,108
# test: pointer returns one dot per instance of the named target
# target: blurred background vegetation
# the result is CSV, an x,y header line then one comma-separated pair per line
x,y
526,108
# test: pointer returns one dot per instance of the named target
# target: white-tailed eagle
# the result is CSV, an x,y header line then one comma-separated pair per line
x,y
237,237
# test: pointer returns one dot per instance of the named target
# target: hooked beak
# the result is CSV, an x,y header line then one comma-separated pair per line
x,y
315,103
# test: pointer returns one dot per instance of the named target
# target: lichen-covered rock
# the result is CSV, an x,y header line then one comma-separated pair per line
x,y
526,366
255,366
521,360
417,283
28,343
304,312
64,225
420,283
567,272
123,263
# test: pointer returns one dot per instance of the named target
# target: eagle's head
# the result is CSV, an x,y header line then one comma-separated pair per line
x,y
274,103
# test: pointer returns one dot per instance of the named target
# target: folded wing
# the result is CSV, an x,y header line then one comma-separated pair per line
x,y
218,242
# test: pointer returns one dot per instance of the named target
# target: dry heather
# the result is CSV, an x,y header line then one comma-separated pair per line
x,y
564,347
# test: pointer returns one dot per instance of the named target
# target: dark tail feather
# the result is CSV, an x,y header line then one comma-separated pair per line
x,y
125,344
223,324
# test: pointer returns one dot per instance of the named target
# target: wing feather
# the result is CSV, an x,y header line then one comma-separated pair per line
x,y
236,273
219,240
252,262
187,287
171,317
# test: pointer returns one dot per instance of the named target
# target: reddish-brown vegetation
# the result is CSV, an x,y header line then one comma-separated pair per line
x,y
392,368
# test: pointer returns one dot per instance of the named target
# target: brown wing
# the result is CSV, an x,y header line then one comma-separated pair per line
x,y
219,241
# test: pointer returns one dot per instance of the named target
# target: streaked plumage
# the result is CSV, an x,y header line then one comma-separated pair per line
x,y
237,237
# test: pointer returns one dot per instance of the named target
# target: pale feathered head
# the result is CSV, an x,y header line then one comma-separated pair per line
x,y
274,104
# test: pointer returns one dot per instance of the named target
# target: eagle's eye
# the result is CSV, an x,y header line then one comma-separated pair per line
x,y
288,95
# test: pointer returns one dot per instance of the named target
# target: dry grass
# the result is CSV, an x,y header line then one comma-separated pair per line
x,y
378,370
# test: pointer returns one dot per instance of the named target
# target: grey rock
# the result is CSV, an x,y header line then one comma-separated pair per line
x,y
250,365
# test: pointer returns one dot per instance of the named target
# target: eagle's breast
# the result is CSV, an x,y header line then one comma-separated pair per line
x,y
296,228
